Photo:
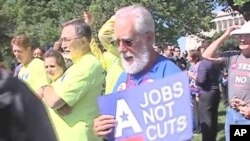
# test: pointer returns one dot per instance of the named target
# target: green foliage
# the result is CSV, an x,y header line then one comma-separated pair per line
x,y
240,2
174,18
228,45
221,124
42,19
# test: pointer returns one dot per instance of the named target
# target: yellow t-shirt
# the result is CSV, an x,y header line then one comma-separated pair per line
x,y
114,69
106,36
34,74
79,87
97,52
112,56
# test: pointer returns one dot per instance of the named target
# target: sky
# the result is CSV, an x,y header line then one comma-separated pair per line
x,y
182,41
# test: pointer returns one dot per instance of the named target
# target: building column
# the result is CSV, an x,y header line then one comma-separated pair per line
x,y
217,26
228,24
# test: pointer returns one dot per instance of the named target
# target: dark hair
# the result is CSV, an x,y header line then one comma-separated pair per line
x,y
22,115
195,55
176,47
58,57
205,43
43,50
81,28
167,45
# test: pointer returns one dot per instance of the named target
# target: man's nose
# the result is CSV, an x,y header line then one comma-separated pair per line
x,y
122,48
48,70
64,47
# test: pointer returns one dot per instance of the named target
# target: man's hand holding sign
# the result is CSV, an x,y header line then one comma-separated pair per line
x,y
159,111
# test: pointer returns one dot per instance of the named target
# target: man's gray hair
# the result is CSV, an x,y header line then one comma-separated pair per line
x,y
144,21
81,28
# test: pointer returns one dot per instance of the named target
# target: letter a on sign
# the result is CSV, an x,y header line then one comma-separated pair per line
x,y
237,132
125,118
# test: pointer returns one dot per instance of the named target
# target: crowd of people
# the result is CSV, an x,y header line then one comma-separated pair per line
x,y
69,77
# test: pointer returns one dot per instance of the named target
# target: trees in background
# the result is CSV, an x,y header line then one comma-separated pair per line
x,y
242,6
41,19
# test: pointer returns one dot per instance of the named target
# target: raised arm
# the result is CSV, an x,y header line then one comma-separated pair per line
x,y
106,36
211,52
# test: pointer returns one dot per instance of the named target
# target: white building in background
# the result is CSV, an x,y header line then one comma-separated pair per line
x,y
221,22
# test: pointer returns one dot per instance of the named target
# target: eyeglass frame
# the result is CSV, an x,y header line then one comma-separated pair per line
x,y
65,39
126,42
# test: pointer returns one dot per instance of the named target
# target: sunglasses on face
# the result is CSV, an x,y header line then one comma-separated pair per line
x,y
245,38
125,42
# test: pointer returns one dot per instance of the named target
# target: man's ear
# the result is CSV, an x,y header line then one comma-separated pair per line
x,y
85,40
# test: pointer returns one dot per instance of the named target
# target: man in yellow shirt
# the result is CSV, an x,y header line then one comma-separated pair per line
x,y
78,88
110,58
32,69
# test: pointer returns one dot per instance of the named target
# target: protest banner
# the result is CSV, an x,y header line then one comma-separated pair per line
x,y
158,111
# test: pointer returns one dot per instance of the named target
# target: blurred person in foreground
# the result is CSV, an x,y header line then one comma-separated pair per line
x,y
22,116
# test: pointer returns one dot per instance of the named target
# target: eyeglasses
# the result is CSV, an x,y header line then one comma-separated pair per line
x,y
67,39
243,38
126,42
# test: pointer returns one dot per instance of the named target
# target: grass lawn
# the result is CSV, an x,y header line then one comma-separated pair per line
x,y
221,122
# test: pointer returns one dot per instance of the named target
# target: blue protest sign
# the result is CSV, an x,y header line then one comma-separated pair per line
x,y
159,111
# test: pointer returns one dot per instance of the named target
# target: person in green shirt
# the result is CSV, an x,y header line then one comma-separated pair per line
x,y
32,71
78,87
109,57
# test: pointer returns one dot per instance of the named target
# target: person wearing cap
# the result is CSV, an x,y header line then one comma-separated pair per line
x,y
238,65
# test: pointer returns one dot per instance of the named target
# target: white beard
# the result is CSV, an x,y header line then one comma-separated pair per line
x,y
139,63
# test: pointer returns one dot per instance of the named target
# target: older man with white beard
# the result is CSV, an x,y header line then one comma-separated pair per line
x,y
134,34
